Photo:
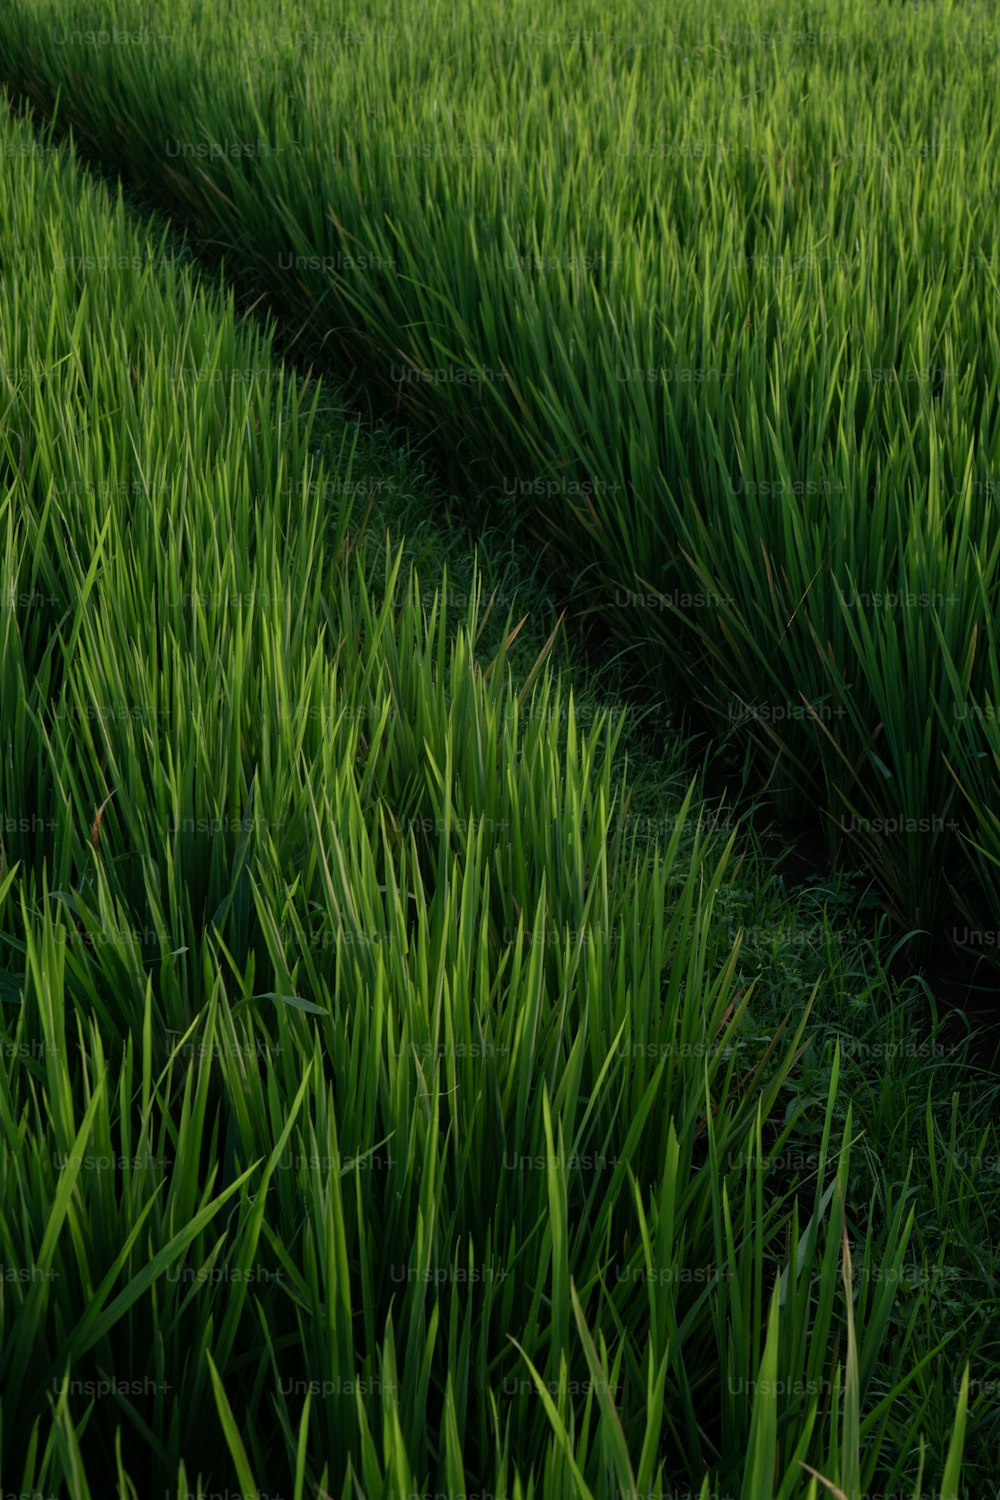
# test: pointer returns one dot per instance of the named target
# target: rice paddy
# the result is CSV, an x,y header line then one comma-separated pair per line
x,y
413,1080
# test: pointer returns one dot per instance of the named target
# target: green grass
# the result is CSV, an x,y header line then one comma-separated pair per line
x,y
377,1095
713,297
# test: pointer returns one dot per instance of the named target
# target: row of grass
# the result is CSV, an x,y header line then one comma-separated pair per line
x,y
380,1114
713,294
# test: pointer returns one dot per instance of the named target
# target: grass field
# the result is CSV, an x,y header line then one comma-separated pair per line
x,y
410,1083
714,296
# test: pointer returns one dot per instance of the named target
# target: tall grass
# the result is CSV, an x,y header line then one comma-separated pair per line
x,y
713,295
379,1114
